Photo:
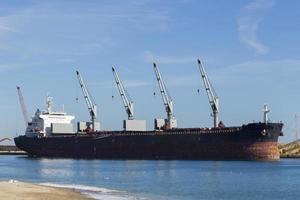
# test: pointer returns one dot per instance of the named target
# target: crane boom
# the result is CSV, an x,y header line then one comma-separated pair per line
x,y
212,96
128,104
23,107
167,100
88,99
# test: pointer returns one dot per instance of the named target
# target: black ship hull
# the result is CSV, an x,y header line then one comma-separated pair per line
x,y
256,141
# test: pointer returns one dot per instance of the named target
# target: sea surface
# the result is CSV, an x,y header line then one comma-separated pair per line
x,y
176,180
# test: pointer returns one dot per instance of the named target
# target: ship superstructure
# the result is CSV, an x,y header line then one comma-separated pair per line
x,y
48,122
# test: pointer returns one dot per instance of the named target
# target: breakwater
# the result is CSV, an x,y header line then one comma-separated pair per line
x,y
290,150
10,150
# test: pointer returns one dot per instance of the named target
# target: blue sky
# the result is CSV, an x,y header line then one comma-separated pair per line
x,y
250,50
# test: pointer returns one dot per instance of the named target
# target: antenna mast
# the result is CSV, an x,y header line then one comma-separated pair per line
x,y
296,126
266,110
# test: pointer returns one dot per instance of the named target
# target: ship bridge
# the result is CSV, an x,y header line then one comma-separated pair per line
x,y
45,123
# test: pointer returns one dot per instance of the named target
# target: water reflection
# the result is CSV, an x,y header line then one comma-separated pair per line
x,y
163,179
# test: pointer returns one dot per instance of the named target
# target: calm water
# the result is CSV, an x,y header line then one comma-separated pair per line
x,y
117,179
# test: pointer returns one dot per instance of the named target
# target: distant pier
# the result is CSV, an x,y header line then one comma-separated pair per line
x,y
11,150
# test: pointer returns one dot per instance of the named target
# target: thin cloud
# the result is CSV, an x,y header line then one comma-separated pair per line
x,y
183,81
9,66
80,30
149,57
127,83
135,83
66,60
248,23
274,72
4,28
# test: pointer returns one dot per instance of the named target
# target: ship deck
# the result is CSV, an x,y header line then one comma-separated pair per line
x,y
177,131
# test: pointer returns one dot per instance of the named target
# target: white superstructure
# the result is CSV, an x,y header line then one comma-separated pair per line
x,y
45,123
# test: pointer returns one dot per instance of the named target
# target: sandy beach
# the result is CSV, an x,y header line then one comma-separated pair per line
x,y
12,190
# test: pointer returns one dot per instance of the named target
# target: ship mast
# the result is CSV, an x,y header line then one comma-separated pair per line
x,y
23,107
212,96
167,100
266,110
128,104
296,126
49,103
88,99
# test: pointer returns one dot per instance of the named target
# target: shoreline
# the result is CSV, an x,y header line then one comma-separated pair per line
x,y
13,153
285,156
293,156
12,190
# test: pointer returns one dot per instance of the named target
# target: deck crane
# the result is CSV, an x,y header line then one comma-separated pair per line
x,y
128,104
167,100
23,107
89,101
212,96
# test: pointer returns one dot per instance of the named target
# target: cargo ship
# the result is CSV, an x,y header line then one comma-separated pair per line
x,y
50,134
